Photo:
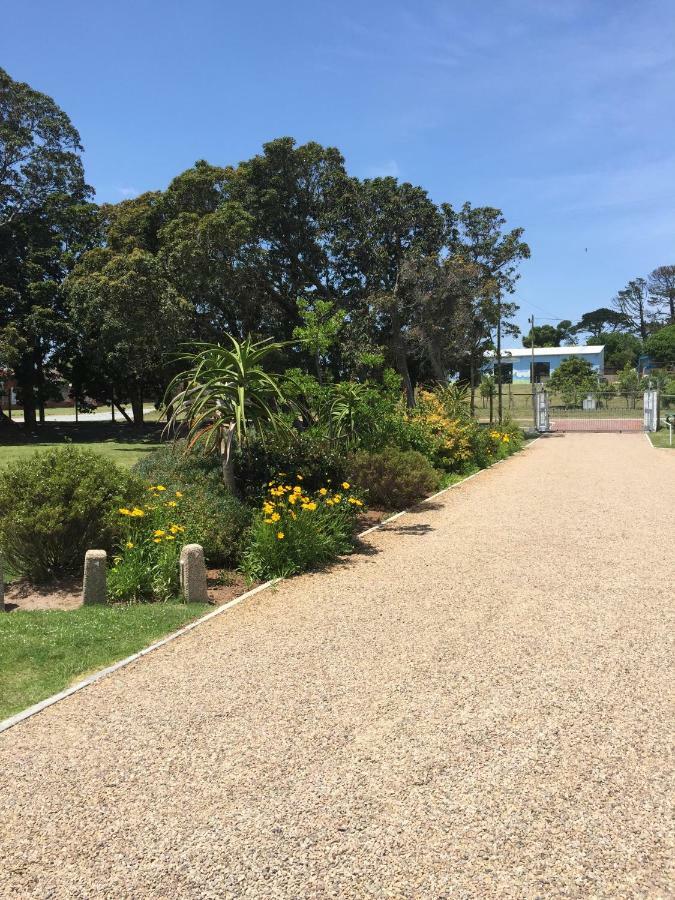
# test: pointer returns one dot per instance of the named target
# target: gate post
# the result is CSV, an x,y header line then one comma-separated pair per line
x,y
651,410
541,411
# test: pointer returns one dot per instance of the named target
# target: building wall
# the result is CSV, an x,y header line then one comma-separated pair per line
x,y
521,364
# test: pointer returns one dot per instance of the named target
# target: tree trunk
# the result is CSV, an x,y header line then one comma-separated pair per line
x,y
401,361
317,364
137,405
472,389
123,411
227,444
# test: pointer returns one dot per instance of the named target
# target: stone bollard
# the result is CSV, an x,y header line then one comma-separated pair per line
x,y
193,574
94,588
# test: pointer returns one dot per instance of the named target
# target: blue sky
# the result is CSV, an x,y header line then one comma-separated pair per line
x,y
560,112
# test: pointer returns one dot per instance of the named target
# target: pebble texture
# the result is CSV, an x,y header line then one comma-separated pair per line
x,y
478,705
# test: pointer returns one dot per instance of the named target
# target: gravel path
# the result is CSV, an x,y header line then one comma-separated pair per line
x,y
479,705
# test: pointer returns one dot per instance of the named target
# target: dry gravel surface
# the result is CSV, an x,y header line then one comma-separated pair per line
x,y
477,705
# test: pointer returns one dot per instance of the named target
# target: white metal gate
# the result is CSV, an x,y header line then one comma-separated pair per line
x,y
598,411
651,410
541,411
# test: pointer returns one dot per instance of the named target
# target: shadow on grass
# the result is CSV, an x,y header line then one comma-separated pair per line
x,y
80,433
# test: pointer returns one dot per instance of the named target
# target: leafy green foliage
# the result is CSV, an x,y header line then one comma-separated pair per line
x,y
212,516
573,378
394,479
57,505
221,393
298,530
661,346
621,349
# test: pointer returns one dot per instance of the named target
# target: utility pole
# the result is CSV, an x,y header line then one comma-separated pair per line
x,y
499,360
534,400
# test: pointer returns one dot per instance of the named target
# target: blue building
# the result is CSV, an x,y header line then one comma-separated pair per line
x,y
517,362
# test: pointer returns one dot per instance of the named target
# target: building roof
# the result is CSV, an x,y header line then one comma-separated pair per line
x,y
550,351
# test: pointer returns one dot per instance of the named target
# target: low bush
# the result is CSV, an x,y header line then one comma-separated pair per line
x,y
297,530
392,478
216,519
308,453
58,504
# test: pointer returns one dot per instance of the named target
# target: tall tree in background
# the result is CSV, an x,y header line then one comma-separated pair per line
x,y
46,222
661,287
633,304
385,223
549,335
477,235
130,318
599,321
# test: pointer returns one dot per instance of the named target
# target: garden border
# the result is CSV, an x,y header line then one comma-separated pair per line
x,y
31,711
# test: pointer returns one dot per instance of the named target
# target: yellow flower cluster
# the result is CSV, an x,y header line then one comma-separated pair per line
x,y
289,500
136,512
451,437
498,436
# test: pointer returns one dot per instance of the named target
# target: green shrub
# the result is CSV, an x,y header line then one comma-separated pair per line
x,y
212,515
392,478
309,453
58,504
297,530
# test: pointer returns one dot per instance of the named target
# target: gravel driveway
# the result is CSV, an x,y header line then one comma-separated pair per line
x,y
478,705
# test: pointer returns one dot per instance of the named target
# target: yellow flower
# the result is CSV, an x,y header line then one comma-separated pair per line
x,y
297,489
159,533
299,477
345,485
337,498
323,491
171,503
156,540
136,512
125,512
179,494
170,537
160,487
275,517
293,515
280,535
129,545
355,502
268,522
293,499
309,506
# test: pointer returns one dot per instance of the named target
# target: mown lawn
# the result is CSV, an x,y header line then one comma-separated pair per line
x,y
43,652
121,443
661,438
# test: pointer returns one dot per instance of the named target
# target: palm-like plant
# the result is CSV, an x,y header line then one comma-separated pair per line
x,y
221,394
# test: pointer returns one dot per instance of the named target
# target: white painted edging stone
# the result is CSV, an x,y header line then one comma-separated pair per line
x,y
6,724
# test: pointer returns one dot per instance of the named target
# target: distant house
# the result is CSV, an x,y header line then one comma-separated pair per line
x,y
517,362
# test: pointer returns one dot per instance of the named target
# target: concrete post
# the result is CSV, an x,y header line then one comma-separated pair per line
x,y
94,588
193,574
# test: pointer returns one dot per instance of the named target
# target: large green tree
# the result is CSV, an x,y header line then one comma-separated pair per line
x,y
549,335
600,321
661,287
46,223
632,302
660,346
130,320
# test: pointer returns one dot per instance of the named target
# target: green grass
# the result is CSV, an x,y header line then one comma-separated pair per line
x,y
660,438
43,652
121,443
